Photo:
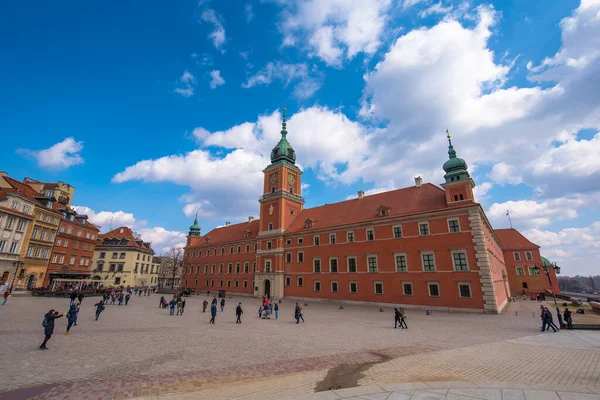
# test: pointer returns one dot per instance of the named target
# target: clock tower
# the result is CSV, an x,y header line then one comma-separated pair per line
x,y
280,204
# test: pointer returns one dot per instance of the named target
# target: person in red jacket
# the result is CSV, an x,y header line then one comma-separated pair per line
x,y
6,295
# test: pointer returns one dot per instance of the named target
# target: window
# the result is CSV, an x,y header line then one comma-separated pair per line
x,y
332,238
353,287
15,246
351,264
58,243
317,286
253,266
102,255
269,245
270,226
267,265
245,284
78,233
372,263
237,283
407,288
81,261
138,256
26,209
2,245
317,265
333,265
288,280
72,261
51,237
378,287
231,250
21,226
517,256
300,281
434,289
10,222
221,283
300,240
69,230
300,256
61,259
370,234
237,268
29,251
54,257
228,282
401,263
222,250
532,271
114,255
247,248
528,256
246,267
66,243
334,286
317,240
239,249
350,237
398,231
460,261
428,262
424,229
38,252
15,204
453,226
520,271
221,266
229,268
288,257
206,268
464,289
255,246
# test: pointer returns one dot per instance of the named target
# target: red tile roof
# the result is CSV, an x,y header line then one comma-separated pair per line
x,y
124,232
512,239
28,192
231,233
401,202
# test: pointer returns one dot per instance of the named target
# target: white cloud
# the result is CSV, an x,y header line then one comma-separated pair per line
x,y
335,28
216,79
437,8
502,173
59,156
307,81
480,192
162,240
189,83
218,34
108,219
249,13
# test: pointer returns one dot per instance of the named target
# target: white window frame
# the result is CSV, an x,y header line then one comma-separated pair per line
x,y
375,283
448,220
458,285
288,281
315,286
337,288
317,238
367,234
530,269
396,261
320,265
269,264
348,258
350,287
412,288
300,240
334,237
462,251
38,252
528,256
300,281
337,264
428,228
376,263
298,256
429,288
394,231
516,256
423,261
519,267
348,233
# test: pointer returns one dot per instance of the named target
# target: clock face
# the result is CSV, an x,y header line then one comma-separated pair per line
x,y
291,179
274,178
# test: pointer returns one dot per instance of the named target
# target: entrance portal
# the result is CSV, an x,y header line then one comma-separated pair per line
x,y
268,288
31,281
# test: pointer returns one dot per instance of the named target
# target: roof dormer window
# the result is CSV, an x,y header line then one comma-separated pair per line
x,y
383,210
308,223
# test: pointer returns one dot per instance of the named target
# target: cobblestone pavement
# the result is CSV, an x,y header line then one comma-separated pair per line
x,y
141,351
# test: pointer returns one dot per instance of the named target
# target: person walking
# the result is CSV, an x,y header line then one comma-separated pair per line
x,y
73,296
182,306
127,296
72,317
204,305
6,296
548,320
48,324
80,297
402,318
276,310
140,293
214,301
213,313
121,298
297,313
238,313
99,308
397,318
568,318
222,304
300,313
179,302
113,298
106,296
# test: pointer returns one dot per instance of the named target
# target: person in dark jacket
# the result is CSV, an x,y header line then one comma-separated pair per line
x,y
548,320
214,301
127,296
397,318
238,313
73,297
49,326
80,297
72,317
222,304
204,305
213,313
99,308
568,318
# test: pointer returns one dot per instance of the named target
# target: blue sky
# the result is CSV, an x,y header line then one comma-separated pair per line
x,y
155,109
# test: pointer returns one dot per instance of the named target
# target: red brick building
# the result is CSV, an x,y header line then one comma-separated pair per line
x,y
418,246
520,257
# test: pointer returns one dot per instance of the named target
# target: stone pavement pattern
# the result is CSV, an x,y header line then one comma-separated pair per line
x,y
141,351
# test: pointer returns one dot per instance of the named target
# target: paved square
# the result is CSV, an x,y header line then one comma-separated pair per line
x,y
140,350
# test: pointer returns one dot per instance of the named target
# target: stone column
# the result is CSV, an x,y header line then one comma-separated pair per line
x,y
483,262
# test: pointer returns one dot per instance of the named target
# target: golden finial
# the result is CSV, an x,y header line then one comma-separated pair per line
x,y
448,133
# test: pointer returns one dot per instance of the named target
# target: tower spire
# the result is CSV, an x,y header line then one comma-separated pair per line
x,y
451,151
283,124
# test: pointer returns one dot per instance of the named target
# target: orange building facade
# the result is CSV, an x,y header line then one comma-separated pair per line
x,y
421,246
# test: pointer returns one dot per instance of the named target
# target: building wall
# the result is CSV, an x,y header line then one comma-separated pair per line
x,y
132,267
14,236
535,283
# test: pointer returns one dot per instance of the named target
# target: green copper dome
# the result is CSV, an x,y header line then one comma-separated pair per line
x,y
546,262
455,167
195,228
283,151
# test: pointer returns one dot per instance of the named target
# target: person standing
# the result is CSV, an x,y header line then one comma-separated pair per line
x,y
204,305
300,313
172,304
48,325
568,318
72,317
276,310
213,313
182,305
179,302
73,297
6,296
127,296
214,301
121,298
222,304
80,297
99,308
297,313
238,313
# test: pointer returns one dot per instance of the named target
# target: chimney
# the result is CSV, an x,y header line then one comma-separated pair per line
x,y
250,219
361,194
227,223
418,181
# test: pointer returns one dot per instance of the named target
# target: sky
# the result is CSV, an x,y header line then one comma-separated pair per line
x,y
154,110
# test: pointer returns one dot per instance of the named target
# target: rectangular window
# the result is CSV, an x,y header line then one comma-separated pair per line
x,y
317,286
434,289
269,245
353,287
237,268
370,234
288,258
270,226
61,259
351,264
229,268
81,261
115,255
253,266
460,261
245,284
267,265
317,240
333,265
38,252
520,271
300,240
424,229
317,265
2,245
334,286
228,283
398,231
237,283
288,242
332,238
21,225
102,255
407,288
246,267
300,256
54,257
453,226
464,290
10,222
66,243
372,263
15,246
72,261
247,248
378,287
206,269
300,281
532,271
29,251
288,280
350,237
517,256
528,256
401,263
58,243
428,262
230,249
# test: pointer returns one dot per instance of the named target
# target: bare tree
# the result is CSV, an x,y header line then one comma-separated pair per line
x,y
173,264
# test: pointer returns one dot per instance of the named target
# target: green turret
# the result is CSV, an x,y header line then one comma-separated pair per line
x,y
455,167
195,229
283,151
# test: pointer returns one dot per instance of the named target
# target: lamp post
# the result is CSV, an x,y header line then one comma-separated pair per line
x,y
546,269
17,264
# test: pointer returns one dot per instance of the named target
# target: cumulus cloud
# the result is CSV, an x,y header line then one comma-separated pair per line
x,y
218,34
188,82
307,80
216,79
62,155
162,240
249,13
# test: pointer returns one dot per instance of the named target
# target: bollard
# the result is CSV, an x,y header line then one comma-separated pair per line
x,y
428,312
380,309
305,304
516,314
